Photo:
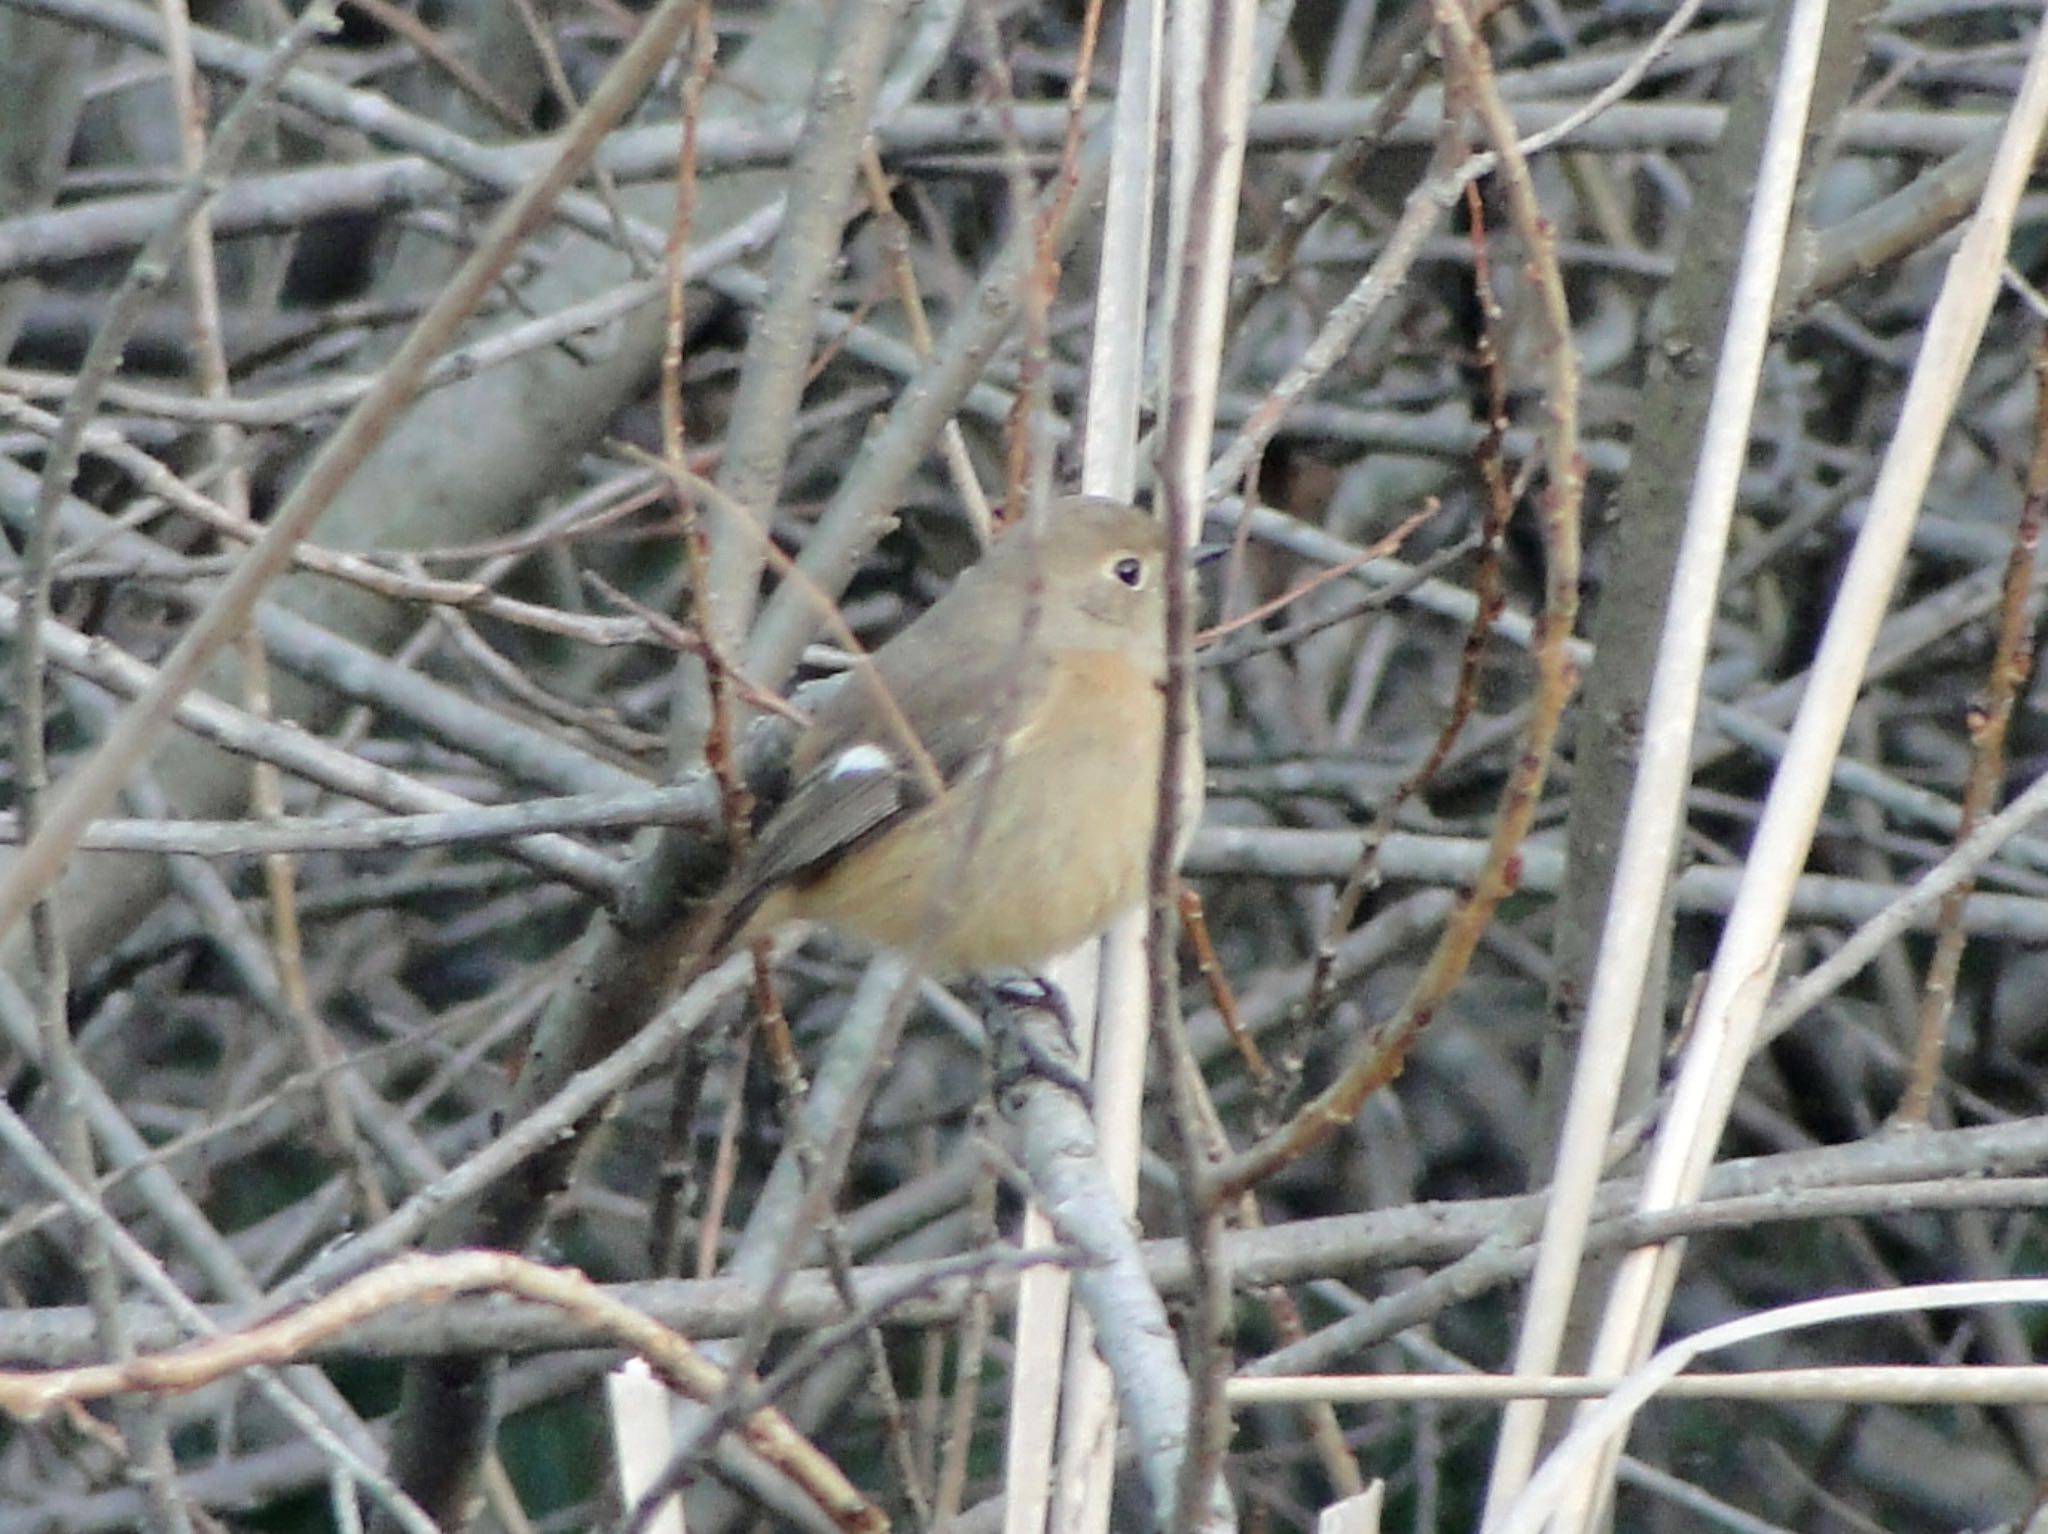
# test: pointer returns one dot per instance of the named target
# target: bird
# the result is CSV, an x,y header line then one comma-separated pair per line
x,y
982,793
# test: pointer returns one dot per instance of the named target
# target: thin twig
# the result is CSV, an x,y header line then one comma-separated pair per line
x,y
89,789
1990,713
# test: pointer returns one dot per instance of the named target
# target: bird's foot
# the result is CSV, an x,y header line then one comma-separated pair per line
x,y
1053,1060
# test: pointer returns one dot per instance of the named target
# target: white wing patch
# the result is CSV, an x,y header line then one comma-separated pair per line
x,y
860,761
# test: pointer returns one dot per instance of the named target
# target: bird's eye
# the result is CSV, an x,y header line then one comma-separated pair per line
x,y
1130,570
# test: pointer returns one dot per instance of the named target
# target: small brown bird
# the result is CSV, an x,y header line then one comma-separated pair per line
x,y
1019,821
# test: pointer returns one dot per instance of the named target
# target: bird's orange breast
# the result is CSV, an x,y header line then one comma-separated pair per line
x,y
1024,860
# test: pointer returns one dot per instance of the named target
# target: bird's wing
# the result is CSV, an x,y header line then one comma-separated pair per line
x,y
828,813
856,776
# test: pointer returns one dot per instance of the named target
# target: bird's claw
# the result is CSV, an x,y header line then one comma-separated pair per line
x,y
1054,1064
